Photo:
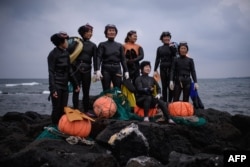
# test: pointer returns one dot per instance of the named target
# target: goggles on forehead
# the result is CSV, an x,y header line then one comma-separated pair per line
x,y
62,34
88,26
110,25
166,33
132,32
183,43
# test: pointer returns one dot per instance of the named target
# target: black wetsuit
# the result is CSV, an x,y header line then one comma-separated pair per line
x,y
180,73
82,68
144,94
110,55
60,74
134,54
165,57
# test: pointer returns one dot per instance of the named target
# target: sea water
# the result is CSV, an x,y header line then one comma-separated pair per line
x,y
228,94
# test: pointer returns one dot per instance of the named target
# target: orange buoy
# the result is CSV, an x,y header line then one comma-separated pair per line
x,y
79,128
140,111
180,108
104,107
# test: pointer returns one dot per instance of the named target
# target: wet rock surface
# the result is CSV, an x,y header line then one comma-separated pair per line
x,y
124,143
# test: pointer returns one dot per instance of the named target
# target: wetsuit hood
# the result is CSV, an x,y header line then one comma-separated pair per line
x,y
85,28
143,64
58,38
163,34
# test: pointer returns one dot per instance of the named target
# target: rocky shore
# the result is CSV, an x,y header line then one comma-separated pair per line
x,y
124,143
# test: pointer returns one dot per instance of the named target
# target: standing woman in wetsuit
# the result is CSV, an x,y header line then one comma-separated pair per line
x,y
110,57
165,56
83,65
60,73
134,54
182,68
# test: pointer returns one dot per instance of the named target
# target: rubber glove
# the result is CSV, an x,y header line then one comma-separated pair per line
x,y
196,86
171,85
158,96
98,75
126,75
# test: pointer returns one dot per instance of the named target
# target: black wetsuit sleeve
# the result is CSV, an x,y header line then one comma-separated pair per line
x,y
193,72
123,60
172,71
99,54
157,60
72,77
140,88
51,69
94,53
140,56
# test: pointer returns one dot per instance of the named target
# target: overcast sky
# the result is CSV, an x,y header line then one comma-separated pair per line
x,y
217,31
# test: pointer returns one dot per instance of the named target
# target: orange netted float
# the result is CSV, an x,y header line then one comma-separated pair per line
x,y
104,107
79,128
140,111
180,108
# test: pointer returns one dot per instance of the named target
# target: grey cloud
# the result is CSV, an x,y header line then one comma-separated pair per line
x,y
217,31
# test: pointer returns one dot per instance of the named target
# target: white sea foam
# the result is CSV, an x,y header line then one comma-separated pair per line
x,y
30,84
22,84
46,92
11,85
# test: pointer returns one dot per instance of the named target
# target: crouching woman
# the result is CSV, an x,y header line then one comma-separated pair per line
x,y
145,89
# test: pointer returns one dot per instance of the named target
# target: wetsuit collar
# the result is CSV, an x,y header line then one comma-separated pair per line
x,y
62,49
131,43
111,39
85,39
144,74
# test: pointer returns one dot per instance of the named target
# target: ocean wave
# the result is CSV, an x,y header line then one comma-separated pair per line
x,y
25,93
46,92
22,84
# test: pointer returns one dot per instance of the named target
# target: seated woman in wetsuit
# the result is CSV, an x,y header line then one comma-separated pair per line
x,y
181,70
144,92
110,55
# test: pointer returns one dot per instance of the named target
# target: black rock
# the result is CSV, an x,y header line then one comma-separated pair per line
x,y
154,143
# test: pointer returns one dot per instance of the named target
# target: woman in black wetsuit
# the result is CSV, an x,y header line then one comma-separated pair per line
x,y
110,57
165,56
144,92
134,54
82,66
60,73
181,70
